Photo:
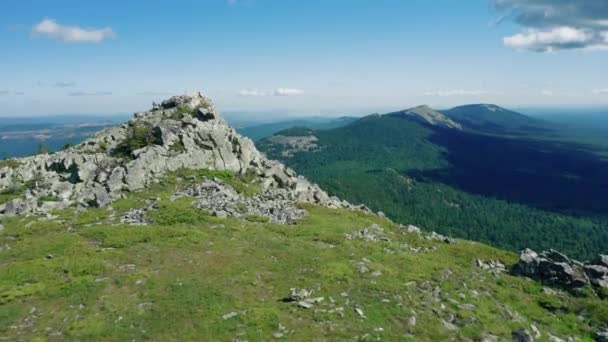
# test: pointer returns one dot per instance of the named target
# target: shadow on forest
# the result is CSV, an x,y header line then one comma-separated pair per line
x,y
556,176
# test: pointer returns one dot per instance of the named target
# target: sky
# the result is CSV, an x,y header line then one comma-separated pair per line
x,y
301,57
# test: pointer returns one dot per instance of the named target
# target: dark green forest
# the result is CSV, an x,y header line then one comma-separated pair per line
x,y
512,191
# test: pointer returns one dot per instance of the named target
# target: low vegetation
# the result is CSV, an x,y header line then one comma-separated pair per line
x,y
10,163
191,276
139,135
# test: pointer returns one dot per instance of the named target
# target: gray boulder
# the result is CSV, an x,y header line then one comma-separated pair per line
x,y
521,336
553,268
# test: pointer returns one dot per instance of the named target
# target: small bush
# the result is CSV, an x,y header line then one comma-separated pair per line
x,y
178,147
67,146
139,135
48,198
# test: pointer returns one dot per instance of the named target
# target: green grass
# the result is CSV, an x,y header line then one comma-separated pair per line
x,y
10,163
82,276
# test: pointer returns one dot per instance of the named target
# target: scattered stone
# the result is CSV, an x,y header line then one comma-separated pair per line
x,y
448,325
521,336
49,256
222,200
549,291
494,266
136,217
360,312
490,338
438,237
535,331
411,229
296,295
1,227
372,233
445,274
555,339
411,321
281,331
229,315
601,336
301,298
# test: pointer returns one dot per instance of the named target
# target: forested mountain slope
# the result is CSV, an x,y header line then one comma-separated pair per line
x,y
513,192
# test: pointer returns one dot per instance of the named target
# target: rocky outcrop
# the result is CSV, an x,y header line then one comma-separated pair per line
x,y
429,116
220,199
554,268
291,145
181,132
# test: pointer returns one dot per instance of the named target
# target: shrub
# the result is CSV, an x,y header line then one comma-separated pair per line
x,y
139,135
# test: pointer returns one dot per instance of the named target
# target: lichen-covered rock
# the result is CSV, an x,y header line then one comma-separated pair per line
x,y
184,131
554,268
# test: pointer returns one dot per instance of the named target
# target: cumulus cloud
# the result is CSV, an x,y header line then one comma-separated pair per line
x,y
600,91
252,92
276,92
553,25
86,93
288,92
49,28
457,92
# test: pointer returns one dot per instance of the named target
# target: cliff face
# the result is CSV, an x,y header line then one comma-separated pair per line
x,y
183,132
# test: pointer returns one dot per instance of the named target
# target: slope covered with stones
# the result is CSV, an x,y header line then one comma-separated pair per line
x,y
183,132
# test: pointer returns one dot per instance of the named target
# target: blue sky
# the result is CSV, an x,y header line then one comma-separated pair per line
x,y
304,57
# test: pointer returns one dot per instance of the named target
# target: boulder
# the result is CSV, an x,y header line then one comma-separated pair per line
x,y
521,336
554,268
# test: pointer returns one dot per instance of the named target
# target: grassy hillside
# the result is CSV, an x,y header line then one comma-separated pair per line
x,y
83,276
510,192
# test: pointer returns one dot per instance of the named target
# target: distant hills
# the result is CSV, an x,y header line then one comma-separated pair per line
x,y
259,131
480,172
494,119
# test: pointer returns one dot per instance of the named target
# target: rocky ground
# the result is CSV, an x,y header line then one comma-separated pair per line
x,y
174,227
181,132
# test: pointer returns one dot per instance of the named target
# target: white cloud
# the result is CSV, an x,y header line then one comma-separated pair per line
x,y
288,92
49,28
64,84
558,38
546,92
252,92
456,92
276,92
600,91
552,25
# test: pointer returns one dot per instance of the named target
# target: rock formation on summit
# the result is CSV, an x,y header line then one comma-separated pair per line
x,y
181,132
